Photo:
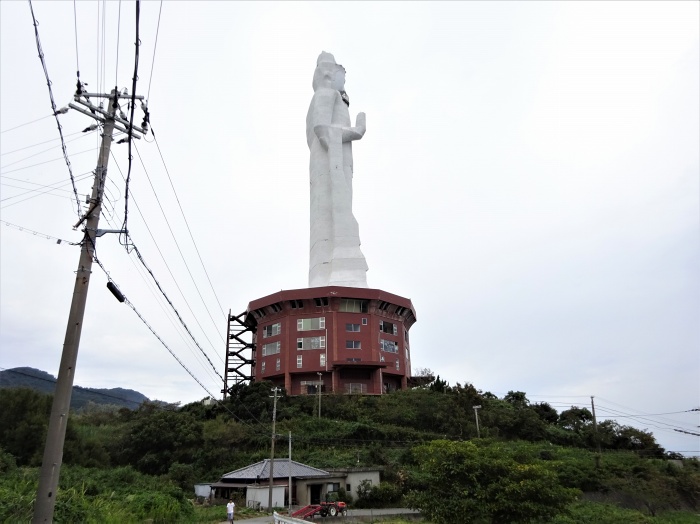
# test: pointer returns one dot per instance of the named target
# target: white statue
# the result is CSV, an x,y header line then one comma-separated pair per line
x,y
335,256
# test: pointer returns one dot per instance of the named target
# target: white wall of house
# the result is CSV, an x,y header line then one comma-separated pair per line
x,y
262,495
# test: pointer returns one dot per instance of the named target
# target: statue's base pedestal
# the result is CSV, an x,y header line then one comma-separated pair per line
x,y
345,339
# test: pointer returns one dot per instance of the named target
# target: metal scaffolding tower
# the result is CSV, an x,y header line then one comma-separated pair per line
x,y
240,353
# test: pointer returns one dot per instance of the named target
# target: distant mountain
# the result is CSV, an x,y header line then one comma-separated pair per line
x,y
45,383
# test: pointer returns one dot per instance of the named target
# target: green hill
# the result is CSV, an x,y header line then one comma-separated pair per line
x,y
43,382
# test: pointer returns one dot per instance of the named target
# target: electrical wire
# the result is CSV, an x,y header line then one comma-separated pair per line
x,y
125,235
75,26
172,353
52,187
155,45
26,124
38,234
182,212
141,259
37,144
53,105
53,160
40,152
119,27
28,198
177,244
164,259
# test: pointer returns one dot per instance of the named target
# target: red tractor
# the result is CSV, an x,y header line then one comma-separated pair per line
x,y
329,508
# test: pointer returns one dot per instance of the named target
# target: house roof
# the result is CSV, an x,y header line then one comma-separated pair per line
x,y
261,470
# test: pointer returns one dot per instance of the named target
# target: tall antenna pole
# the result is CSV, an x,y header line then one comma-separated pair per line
x,y
272,453
56,436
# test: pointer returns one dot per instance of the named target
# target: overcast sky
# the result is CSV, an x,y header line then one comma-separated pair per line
x,y
529,179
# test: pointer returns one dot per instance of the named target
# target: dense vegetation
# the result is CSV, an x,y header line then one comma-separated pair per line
x,y
532,464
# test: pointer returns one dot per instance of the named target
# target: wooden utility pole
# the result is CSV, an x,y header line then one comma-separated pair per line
x,y
595,433
290,474
320,385
56,436
476,416
272,452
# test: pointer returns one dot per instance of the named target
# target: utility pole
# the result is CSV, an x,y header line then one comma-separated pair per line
x,y
272,453
55,438
595,432
290,474
320,383
476,416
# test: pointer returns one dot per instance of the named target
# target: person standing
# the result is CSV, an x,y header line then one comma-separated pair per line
x,y
229,510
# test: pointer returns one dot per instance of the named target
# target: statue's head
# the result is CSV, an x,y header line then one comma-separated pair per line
x,y
328,73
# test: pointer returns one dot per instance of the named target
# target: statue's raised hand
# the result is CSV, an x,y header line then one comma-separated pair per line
x,y
361,123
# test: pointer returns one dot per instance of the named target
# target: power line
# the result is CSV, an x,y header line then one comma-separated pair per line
x,y
53,160
155,45
75,26
119,27
163,258
39,153
188,225
125,228
26,124
37,144
30,197
37,233
53,104
177,244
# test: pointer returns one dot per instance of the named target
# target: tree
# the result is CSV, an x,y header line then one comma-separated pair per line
x,y
24,418
463,482
546,412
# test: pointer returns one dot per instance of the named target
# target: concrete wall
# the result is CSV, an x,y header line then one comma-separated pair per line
x,y
262,495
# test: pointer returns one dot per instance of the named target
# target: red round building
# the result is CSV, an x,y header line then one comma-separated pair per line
x,y
350,340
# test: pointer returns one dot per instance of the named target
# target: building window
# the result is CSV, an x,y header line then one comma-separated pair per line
x,y
397,364
352,344
299,361
296,304
388,345
278,364
352,327
311,343
307,324
322,360
405,335
262,367
364,321
271,349
388,327
400,310
272,330
355,388
276,307
350,305
348,486
320,302
383,306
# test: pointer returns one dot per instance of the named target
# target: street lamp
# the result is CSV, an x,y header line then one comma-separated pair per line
x,y
476,416
320,383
